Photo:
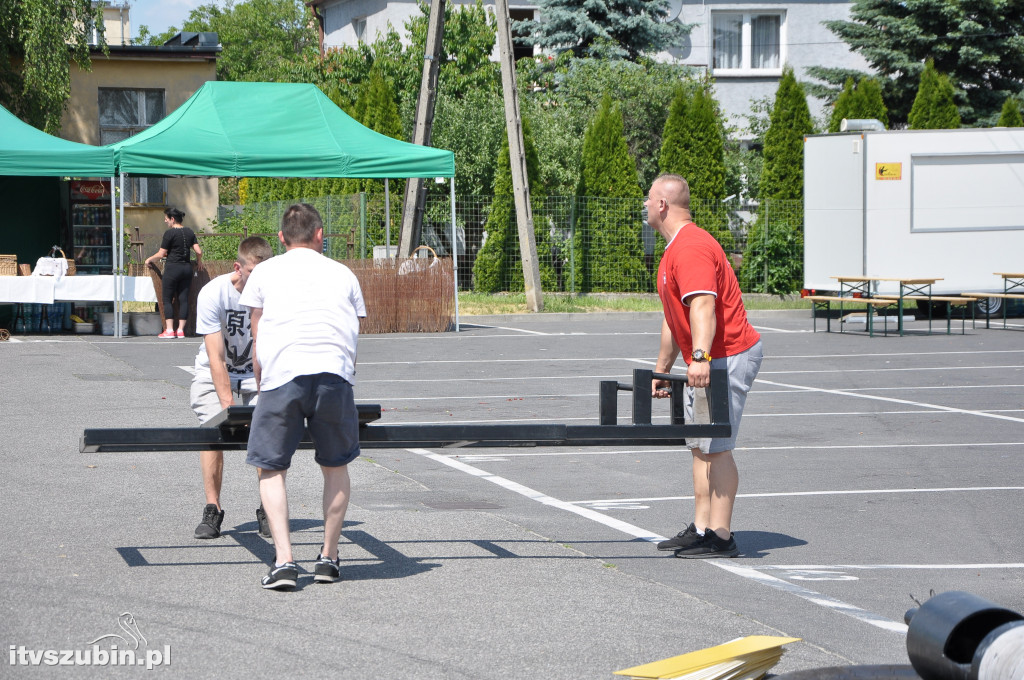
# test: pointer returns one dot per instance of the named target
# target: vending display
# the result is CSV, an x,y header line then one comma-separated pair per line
x,y
91,234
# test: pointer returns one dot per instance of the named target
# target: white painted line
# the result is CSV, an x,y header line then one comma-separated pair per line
x,y
781,330
635,531
519,330
811,596
891,369
840,492
834,567
937,407
675,452
515,487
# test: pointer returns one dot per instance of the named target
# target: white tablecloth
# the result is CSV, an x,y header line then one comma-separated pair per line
x,y
47,289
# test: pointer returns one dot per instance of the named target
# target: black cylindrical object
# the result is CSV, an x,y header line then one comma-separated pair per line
x,y
946,631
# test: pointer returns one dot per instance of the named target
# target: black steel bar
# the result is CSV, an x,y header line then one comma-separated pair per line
x,y
608,402
229,430
643,378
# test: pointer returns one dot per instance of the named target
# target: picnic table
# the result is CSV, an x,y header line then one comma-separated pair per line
x,y
1013,289
867,287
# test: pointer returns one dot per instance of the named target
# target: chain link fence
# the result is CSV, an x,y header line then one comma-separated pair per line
x,y
584,244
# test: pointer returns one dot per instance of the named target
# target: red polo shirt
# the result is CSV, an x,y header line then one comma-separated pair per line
x,y
694,263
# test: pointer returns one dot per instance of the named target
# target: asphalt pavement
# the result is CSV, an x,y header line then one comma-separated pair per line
x,y
874,472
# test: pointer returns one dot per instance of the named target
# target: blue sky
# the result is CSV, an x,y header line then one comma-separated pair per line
x,y
158,15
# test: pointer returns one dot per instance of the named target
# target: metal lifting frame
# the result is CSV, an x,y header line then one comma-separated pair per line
x,y
229,430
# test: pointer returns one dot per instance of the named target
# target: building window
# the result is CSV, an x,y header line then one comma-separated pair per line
x,y
747,43
359,26
521,50
124,113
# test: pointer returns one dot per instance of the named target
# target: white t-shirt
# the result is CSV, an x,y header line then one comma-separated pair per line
x,y
218,309
310,322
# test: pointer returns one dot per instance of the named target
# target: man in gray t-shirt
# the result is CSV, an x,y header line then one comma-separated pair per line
x,y
224,368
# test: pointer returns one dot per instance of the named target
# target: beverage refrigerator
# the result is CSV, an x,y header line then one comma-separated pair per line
x,y
91,235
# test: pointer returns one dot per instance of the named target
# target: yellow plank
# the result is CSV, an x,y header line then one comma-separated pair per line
x,y
694,661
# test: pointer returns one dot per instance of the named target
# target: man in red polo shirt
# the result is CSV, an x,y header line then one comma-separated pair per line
x,y
705,321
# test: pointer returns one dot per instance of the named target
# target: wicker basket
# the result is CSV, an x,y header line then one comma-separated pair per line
x,y
24,270
8,265
59,252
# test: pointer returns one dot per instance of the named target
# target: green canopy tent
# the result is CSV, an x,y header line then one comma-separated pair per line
x,y
242,129
28,152
27,157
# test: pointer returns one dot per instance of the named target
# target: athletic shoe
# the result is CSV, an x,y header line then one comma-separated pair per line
x,y
167,334
180,334
684,539
263,522
210,526
710,545
326,570
281,577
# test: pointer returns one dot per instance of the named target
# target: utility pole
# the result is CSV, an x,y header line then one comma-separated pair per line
x,y
412,207
517,155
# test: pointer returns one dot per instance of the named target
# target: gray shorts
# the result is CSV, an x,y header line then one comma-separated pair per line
x,y
206,403
323,404
742,368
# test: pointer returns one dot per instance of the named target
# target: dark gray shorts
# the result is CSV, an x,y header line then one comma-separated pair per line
x,y
323,403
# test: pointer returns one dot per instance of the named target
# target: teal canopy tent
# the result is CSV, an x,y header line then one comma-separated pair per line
x,y
229,129
28,152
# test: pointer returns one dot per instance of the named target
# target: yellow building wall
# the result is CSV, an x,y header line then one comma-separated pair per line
x,y
179,79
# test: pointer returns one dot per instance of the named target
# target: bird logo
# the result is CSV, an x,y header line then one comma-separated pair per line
x,y
126,622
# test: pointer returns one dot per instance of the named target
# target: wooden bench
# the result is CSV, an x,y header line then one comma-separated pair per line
x,y
1001,296
824,302
950,300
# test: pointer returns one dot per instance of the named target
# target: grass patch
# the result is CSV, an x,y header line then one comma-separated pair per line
x,y
515,303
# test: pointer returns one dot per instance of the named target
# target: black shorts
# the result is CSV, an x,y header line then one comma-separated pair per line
x,y
323,403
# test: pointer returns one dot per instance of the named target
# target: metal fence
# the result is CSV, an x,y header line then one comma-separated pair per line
x,y
584,244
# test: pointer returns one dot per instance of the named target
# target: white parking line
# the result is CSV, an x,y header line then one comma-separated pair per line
x,y
779,494
832,603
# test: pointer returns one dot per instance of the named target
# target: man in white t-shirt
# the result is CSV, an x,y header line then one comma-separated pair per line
x,y
224,368
306,310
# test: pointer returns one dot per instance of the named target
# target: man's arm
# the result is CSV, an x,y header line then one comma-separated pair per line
x,y
668,351
702,332
219,368
255,313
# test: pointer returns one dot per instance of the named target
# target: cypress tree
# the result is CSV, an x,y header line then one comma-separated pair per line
x,y
498,265
693,145
843,106
775,240
868,102
1010,116
934,108
608,240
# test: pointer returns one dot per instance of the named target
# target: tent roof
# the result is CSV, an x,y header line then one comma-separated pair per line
x,y
26,151
239,129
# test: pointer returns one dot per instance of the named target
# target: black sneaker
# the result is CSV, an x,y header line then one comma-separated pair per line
x,y
326,570
281,577
263,522
710,545
210,526
684,539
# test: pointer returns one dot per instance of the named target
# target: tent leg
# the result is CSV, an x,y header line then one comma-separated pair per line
x,y
455,256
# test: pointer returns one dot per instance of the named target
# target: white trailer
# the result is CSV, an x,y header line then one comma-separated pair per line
x,y
943,204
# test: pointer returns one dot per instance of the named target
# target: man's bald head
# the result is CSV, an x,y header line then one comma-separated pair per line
x,y
674,189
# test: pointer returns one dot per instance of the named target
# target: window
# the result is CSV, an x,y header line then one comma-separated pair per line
x,y
124,113
520,49
747,43
359,26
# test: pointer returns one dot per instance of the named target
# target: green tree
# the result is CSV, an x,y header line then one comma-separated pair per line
x,y
261,39
1010,115
934,108
868,101
978,43
608,241
772,261
603,28
842,107
38,40
498,265
693,145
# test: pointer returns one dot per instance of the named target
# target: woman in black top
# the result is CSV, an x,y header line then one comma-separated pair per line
x,y
177,277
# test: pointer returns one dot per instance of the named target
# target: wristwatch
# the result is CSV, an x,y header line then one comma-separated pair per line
x,y
700,355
